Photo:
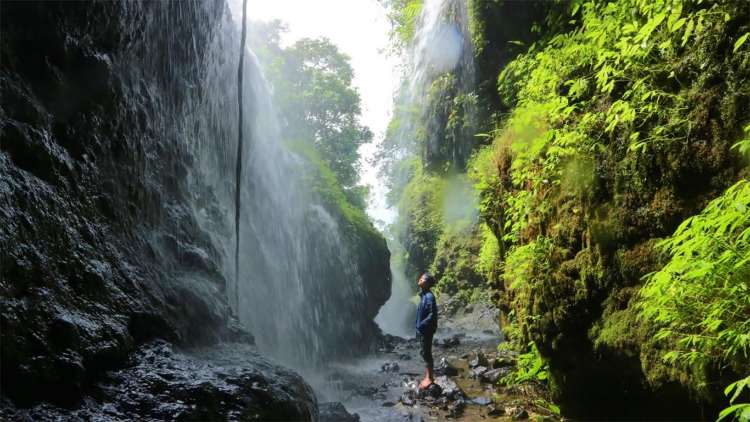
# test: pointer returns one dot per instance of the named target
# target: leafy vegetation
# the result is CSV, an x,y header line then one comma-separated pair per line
x,y
325,184
312,85
611,125
403,15
700,299
530,367
613,148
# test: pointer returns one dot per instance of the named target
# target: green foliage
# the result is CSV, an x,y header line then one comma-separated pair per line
x,y
743,146
489,261
312,86
403,15
530,367
455,265
739,411
700,299
421,220
619,128
324,183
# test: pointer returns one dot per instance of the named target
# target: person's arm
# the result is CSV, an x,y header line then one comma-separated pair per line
x,y
430,306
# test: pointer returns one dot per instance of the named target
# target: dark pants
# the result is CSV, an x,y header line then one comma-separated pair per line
x,y
425,344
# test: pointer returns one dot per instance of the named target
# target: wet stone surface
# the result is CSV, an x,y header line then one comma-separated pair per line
x,y
383,386
226,382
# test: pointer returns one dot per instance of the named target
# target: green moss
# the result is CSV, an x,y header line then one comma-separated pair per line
x,y
617,132
455,263
420,211
335,200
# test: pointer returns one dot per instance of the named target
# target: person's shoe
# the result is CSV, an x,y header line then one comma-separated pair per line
x,y
424,384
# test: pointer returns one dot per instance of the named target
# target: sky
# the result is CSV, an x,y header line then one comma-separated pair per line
x,y
360,29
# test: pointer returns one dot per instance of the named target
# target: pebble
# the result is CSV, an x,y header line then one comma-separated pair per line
x,y
482,401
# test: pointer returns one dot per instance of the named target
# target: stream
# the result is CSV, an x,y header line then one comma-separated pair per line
x,y
382,386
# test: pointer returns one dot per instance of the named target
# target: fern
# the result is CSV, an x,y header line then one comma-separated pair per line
x,y
700,299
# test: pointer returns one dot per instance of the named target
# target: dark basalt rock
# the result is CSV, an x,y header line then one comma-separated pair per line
x,y
336,412
479,359
100,250
220,383
449,388
494,375
520,414
495,411
478,371
445,368
82,278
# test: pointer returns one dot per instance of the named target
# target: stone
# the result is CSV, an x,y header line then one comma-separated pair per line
x,y
451,341
482,401
335,412
451,390
389,367
495,411
445,368
478,372
456,408
520,414
408,398
494,375
229,381
434,390
502,362
479,359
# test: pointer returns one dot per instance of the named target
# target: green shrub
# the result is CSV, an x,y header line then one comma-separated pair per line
x,y
700,300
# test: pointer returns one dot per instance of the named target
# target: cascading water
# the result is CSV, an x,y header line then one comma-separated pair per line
x,y
441,45
300,290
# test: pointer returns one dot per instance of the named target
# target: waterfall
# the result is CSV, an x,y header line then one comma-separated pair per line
x,y
299,284
441,45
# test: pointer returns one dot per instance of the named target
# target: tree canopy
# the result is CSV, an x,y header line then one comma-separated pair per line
x,y
313,88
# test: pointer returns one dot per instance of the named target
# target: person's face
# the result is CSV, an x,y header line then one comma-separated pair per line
x,y
422,282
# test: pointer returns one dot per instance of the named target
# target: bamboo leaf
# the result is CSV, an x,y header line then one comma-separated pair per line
x,y
688,32
740,41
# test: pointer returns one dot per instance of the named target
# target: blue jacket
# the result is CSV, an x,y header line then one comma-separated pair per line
x,y
427,314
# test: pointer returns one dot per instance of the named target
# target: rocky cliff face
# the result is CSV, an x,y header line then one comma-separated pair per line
x,y
99,249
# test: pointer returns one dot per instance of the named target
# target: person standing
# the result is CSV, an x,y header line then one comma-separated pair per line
x,y
427,319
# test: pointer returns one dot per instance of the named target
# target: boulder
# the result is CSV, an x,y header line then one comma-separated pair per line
x,y
389,367
451,390
520,414
478,372
336,412
451,341
494,375
230,381
495,411
479,359
445,368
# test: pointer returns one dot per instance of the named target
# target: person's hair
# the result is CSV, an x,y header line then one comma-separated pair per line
x,y
428,278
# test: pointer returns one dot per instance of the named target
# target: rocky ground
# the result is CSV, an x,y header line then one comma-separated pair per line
x,y
468,367
225,382
231,381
